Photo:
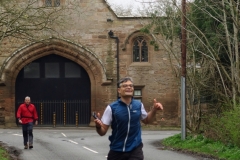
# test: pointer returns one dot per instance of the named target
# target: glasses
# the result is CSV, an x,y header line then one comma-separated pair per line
x,y
127,85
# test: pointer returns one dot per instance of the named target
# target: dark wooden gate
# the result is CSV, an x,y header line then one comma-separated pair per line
x,y
63,113
59,88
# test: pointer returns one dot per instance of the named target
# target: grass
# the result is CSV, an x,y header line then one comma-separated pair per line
x,y
159,128
199,144
3,154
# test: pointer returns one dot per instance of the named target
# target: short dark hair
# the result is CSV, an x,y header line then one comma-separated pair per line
x,y
125,79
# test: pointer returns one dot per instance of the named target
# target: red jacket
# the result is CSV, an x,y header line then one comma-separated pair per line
x,y
27,114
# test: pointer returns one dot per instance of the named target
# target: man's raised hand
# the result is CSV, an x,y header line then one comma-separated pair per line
x,y
157,105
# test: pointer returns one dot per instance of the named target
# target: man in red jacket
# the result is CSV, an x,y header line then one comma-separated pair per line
x,y
27,115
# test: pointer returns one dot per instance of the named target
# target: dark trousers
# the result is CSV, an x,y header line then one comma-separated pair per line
x,y
136,154
27,130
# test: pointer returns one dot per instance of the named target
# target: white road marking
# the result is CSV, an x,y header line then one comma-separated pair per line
x,y
72,142
17,134
77,143
90,149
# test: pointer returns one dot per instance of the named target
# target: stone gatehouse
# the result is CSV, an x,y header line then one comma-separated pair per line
x,y
85,64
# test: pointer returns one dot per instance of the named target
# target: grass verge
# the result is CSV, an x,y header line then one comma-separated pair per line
x,y
202,146
3,154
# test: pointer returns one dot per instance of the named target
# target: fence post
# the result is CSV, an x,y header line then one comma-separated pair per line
x,y
64,114
54,119
76,118
41,111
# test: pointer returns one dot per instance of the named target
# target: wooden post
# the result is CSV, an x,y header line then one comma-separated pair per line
x,y
64,114
54,119
41,114
76,118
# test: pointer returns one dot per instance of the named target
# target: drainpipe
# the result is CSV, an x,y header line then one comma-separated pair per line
x,y
111,35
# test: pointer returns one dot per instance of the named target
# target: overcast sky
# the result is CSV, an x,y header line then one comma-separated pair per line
x,y
137,2
125,2
141,6
133,3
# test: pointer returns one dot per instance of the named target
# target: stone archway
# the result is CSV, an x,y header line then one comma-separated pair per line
x,y
75,52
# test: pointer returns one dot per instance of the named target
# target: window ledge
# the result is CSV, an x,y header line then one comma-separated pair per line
x,y
108,82
138,86
142,64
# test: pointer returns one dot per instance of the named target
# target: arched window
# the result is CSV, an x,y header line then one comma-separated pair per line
x,y
140,50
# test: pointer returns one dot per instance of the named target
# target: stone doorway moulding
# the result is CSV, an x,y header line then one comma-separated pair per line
x,y
75,52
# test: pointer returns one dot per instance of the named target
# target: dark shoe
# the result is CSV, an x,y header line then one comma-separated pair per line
x,y
30,146
25,146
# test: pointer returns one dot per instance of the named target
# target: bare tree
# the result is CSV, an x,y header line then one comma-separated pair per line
x,y
34,20
26,20
212,51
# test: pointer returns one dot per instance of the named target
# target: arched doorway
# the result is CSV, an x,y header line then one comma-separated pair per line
x,y
59,88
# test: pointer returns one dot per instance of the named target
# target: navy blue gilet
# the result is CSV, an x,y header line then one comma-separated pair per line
x,y
126,126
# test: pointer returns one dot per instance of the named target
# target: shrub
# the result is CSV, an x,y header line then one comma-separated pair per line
x,y
225,127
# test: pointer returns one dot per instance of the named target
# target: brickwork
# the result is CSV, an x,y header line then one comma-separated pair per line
x,y
87,43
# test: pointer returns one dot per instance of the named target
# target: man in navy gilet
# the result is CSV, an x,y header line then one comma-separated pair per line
x,y
124,116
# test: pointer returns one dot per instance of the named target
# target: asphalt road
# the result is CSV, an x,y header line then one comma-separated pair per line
x,y
83,144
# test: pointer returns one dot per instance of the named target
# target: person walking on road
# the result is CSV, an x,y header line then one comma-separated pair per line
x,y
124,116
27,116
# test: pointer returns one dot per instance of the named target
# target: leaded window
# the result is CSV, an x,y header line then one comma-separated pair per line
x,y
52,3
137,94
140,50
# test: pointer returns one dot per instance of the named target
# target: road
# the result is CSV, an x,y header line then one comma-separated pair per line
x,y
83,144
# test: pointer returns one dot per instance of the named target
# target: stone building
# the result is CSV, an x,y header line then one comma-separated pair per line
x,y
69,78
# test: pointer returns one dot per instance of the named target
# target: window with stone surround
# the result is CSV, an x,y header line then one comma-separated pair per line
x,y
137,94
52,3
140,50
